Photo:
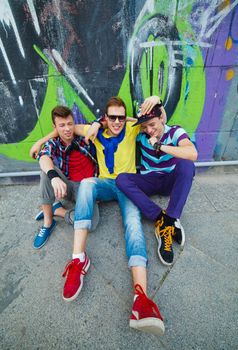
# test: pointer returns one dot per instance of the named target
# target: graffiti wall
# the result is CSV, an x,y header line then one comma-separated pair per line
x,y
79,53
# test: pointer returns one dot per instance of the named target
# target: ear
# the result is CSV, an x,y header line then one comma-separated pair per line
x,y
161,119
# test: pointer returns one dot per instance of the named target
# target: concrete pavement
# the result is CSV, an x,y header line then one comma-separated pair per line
x,y
198,295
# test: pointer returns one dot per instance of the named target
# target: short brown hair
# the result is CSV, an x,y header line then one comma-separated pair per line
x,y
60,111
115,101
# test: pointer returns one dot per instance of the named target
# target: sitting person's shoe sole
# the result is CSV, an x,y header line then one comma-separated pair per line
x,y
69,217
148,325
145,315
179,234
42,237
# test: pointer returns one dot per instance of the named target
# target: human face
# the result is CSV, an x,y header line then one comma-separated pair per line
x,y
65,128
153,127
115,126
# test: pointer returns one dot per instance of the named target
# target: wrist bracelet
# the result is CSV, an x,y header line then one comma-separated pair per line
x,y
157,146
98,121
52,173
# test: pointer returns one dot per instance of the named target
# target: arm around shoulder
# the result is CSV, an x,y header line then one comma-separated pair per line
x,y
79,129
35,149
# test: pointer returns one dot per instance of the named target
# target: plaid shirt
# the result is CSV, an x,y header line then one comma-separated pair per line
x,y
59,152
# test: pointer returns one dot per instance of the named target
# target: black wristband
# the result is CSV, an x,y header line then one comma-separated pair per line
x,y
52,173
157,146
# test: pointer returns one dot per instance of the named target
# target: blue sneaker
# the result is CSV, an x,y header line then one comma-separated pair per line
x,y
55,206
42,237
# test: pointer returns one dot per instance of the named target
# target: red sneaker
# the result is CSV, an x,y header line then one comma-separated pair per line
x,y
75,271
145,315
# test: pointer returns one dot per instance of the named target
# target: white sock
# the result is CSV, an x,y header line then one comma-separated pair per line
x,y
80,256
135,296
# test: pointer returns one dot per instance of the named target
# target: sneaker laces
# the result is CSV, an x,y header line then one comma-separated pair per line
x,y
167,232
42,231
73,268
149,303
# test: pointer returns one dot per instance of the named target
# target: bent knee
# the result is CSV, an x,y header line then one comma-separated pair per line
x,y
186,167
121,178
88,180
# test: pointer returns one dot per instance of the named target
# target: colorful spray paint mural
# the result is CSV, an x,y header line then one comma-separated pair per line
x,y
79,53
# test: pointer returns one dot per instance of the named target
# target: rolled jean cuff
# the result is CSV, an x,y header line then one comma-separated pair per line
x,y
137,260
86,224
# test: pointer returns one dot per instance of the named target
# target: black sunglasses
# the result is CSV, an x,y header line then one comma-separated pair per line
x,y
113,118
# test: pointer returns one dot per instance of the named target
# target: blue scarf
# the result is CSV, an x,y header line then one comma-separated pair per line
x,y
110,146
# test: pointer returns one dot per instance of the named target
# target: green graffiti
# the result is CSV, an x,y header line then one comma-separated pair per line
x,y
192,89
150,84
189,108
56,81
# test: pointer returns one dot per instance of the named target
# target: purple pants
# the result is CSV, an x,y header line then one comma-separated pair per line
x,y
176,184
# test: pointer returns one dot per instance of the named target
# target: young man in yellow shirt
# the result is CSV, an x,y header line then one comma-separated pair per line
x,y
115,148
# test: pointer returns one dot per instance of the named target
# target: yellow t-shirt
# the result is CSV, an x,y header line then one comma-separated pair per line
x,y
125,155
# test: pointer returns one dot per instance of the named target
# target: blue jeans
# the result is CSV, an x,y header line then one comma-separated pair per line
x,y
93,189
